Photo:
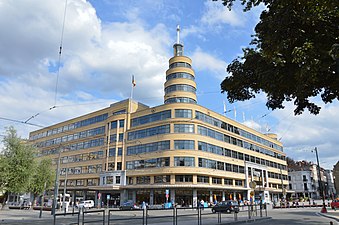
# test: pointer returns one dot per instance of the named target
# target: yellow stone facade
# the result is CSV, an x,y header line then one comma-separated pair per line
x,y
178,152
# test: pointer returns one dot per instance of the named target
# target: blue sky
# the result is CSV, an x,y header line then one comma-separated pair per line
x,y
105,42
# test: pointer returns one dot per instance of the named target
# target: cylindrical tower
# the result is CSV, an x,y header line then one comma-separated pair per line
x,y
180,83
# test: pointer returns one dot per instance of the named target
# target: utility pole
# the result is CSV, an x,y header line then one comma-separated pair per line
x,y
323,209
56,186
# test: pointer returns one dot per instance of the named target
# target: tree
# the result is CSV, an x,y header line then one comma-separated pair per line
x,y
17,162
42,177
295,57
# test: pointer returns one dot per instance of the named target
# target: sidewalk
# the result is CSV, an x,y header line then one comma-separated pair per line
x,y
331,214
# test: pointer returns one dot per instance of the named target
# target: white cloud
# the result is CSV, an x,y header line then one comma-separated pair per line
x,y
252,124
300,134
204,61
216,14
97,60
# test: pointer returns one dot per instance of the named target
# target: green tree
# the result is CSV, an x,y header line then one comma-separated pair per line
x,y
43,176
16,162
294,58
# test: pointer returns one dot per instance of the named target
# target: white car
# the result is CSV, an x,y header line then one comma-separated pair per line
x,y
87,204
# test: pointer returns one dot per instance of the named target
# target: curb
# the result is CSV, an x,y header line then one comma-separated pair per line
x,y
247,221
328,216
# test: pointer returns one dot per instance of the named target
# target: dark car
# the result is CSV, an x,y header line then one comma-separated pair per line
x,y
226,206
128,206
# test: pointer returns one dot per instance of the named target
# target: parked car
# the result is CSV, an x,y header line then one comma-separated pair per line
x,y
128,206
87,204
226,206
335,204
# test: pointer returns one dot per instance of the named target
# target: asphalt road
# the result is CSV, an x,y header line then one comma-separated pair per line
x,y
301,216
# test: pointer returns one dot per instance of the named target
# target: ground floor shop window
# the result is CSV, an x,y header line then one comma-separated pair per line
x,y
143,196
184,198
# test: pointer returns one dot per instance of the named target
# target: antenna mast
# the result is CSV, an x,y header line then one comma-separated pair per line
x,y
178,34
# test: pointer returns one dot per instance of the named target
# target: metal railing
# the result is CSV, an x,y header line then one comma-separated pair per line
x,y
95,220
171,216
66,215
138,216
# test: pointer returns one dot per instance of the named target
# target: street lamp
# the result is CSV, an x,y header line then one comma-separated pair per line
x,y
323,209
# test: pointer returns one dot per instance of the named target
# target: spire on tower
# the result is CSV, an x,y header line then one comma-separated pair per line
x,y
178,34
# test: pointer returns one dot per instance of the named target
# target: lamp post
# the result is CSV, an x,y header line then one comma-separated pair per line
x,y
323,209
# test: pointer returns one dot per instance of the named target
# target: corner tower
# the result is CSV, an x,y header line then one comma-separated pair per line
x,y
180,83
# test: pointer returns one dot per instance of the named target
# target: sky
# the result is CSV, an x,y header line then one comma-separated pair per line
x,y
105,42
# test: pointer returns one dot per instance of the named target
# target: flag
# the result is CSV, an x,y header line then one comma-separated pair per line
x,y
133,81
224,107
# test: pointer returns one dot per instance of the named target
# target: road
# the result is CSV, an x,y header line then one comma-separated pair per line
x,y
301,216
298,217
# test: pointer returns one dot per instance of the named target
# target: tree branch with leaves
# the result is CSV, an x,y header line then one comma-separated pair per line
x,y
294,58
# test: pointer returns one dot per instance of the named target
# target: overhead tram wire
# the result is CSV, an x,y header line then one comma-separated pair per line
x,y
18,121
58,69
60,51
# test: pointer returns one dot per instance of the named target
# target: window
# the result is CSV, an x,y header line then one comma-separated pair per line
x,y
149,163
216,180
79,182
150,147
183,128
183,178
238,182
180,99
183,113
228,181
179,64
203,179
184,161
151,118
162,179
114,137
112,152
117,179
143,180
179,75
180,87
183,144
207,163
114,124
109,180
228,167
164,129
92,182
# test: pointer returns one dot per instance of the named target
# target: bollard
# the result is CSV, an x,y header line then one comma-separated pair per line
x,y
235,215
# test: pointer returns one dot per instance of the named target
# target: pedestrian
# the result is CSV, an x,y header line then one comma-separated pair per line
x,y
202,203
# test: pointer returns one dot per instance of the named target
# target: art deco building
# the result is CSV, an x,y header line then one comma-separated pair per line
x,y
177,152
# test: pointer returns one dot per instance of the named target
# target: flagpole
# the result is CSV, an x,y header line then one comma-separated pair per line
x,y
132,87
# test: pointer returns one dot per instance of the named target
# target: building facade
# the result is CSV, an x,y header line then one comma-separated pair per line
x,y
336,178
330,190
305,183
178,152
